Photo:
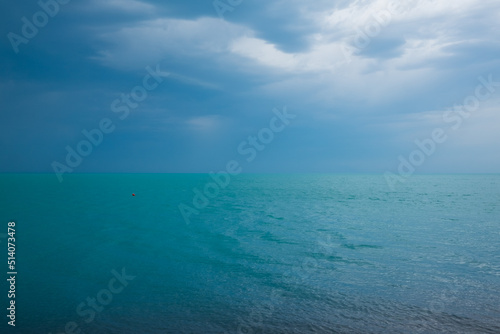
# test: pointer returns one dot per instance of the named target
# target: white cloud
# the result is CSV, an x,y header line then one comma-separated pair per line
x,y
263,52
427,29
428,26
151,41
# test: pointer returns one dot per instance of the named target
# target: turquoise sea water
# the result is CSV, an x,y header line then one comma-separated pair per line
x,y
269,254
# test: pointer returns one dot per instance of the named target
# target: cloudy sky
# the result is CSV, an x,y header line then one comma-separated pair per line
x,y
364,79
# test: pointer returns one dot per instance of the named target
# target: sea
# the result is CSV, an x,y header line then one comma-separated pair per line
x,y
251,253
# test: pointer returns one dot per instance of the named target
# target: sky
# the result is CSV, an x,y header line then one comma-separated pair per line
x,y
360,84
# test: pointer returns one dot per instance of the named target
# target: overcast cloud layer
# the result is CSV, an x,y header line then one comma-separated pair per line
x,y
365,79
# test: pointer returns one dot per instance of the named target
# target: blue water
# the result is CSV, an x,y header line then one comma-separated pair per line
x,y
269,254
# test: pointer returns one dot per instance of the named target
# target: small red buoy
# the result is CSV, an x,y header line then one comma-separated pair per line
x,y
133,194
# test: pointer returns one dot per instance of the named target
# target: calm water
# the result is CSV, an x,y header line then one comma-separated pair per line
x,y
269,254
